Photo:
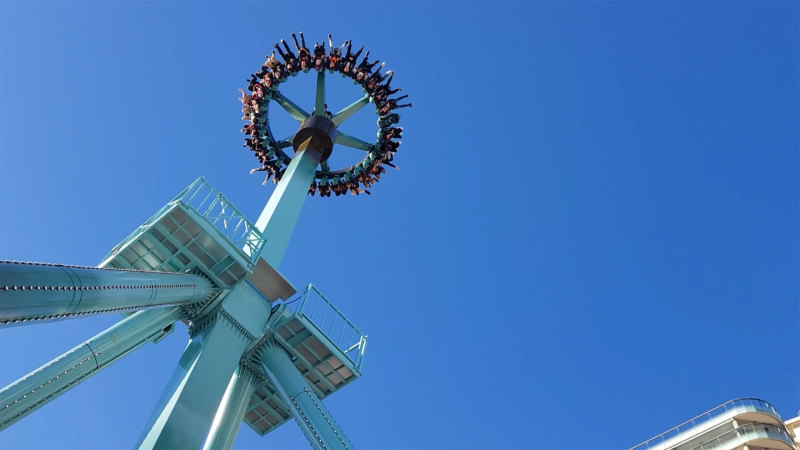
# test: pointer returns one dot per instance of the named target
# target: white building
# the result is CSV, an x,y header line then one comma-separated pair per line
x,y
741,424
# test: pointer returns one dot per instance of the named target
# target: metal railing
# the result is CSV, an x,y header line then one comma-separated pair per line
x,y
772,431
756,403
220,212
330,321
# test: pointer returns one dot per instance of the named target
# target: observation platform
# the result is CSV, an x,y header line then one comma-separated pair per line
x,y
324,345
201,230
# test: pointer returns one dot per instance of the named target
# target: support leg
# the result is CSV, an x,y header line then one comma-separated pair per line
x,y
307,409
30,291
231,411
65,372
187,407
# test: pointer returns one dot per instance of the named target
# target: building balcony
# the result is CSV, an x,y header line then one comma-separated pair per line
x,y
739,422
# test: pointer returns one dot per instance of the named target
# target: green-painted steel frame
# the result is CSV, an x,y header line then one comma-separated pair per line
x,y
39,292
208,394
180,230
300,115
231,410
280,214
314,419
351,141
326,370
349,110
220,212
285,143
295,111
215,208
319,98
34,390
327,318
191,400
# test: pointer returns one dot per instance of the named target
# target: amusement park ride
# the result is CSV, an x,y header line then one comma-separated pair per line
x,y
200,261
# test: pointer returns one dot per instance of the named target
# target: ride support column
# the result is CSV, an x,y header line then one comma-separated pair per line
x,y
313,144
187,407
311,415
232,410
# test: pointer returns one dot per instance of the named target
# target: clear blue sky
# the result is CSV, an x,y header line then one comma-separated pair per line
x,y
593,235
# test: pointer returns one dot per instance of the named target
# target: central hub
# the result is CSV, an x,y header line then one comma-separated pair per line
x,y
316,133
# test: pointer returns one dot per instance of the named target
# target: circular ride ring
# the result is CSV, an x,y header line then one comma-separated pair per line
x,y
264,87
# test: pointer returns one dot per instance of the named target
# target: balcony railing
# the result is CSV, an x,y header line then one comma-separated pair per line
x,y
753,403
747,433
330,321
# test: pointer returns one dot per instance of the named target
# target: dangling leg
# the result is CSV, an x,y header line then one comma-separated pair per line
x,y
297,46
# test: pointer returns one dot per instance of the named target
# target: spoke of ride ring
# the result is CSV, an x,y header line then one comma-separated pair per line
x,y
290,107
324,166
284,143
319,104
350,141
344,114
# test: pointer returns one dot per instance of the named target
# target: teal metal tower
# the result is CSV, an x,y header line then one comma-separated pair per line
x,y
199,260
